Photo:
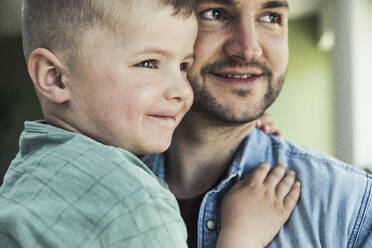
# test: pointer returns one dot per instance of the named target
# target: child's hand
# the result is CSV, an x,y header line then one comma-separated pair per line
x,y
255,208
267,125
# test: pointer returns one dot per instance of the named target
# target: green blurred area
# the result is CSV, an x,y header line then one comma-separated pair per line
x,y
304,109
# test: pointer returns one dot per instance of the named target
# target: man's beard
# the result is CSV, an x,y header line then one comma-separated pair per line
x,y
209,107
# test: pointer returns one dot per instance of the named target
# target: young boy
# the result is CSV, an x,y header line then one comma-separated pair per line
x,y
111,79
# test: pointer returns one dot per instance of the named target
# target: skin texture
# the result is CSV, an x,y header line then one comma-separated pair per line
x,y
254,35
255,45
127,89
259,205
266,123
241,61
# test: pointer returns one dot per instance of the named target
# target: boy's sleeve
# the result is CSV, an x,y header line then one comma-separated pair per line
x,y
154,222
146,218
97,198
7,241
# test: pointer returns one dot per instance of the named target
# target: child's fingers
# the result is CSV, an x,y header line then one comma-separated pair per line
x,y
260,173
276,175
285,185
258,123
266,118
292,197
267,128
271,129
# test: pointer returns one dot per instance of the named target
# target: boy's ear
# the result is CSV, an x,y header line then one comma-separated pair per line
x,y
46,72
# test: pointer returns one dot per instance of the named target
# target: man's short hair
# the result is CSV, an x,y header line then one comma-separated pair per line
x,y
57,24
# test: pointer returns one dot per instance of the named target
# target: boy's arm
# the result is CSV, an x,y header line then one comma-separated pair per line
x,y
254,209
7,241
153,221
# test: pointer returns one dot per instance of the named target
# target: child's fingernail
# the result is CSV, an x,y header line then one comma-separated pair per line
x,y
266,165
258,123
267,128
284,165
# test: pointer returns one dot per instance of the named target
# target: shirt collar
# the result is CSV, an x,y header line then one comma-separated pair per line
x,y
156,163
253,150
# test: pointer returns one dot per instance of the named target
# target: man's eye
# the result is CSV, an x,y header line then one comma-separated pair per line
x,y
150,64
213,14
271,18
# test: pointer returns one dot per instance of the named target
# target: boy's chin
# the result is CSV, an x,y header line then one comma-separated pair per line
x,y
157,146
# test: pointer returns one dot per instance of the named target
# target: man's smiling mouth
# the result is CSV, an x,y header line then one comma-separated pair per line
x,y
237,76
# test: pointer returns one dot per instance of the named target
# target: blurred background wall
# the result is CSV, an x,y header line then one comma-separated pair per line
x,y
325,102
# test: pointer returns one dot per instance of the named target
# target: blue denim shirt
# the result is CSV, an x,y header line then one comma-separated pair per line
x,y
334,209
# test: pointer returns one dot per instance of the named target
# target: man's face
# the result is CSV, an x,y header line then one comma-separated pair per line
x,y
130,88
241,58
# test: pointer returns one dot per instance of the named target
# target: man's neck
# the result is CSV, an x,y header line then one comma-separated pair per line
x,y
200,153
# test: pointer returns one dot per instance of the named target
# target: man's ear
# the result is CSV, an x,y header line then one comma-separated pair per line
x,y
46,72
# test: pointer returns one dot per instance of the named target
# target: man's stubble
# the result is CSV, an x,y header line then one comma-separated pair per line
x,y
208,106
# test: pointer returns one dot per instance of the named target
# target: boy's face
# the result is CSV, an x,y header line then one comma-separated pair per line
x,y
129,88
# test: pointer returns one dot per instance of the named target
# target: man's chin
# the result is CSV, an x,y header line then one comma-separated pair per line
x,y
225,117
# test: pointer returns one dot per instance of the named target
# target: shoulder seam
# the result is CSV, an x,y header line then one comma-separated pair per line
x,y
366,201
289,151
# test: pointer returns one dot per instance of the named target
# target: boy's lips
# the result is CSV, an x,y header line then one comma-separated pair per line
x,y
168,119
164,117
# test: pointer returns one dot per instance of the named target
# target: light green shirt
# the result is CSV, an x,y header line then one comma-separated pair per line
x,y
66,190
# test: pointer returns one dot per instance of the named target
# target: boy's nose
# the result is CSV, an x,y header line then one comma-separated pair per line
x,y
179,89
244,44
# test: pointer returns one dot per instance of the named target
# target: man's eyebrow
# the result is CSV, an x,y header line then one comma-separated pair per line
x,y
225,2
275,4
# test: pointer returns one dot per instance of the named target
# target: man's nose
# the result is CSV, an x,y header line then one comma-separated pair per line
x,y
243,43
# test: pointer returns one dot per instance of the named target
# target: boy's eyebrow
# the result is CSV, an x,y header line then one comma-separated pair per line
x,y
275,4
161,51
154,50
190,56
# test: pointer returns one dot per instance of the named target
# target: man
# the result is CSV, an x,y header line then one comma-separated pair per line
x,y
240,66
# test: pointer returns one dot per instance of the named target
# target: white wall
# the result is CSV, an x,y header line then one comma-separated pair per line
x,y
341,12
353,81
362,82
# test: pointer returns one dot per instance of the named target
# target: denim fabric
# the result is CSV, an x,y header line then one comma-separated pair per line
x,y
335,205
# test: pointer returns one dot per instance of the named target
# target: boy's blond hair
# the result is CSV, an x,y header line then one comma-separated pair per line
x,y
57,25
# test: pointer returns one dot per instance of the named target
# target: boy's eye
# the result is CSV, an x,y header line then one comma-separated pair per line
x,y
150,64
184,66
271,18
213,14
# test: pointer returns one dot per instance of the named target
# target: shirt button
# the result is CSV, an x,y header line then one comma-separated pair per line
x,y
211,225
